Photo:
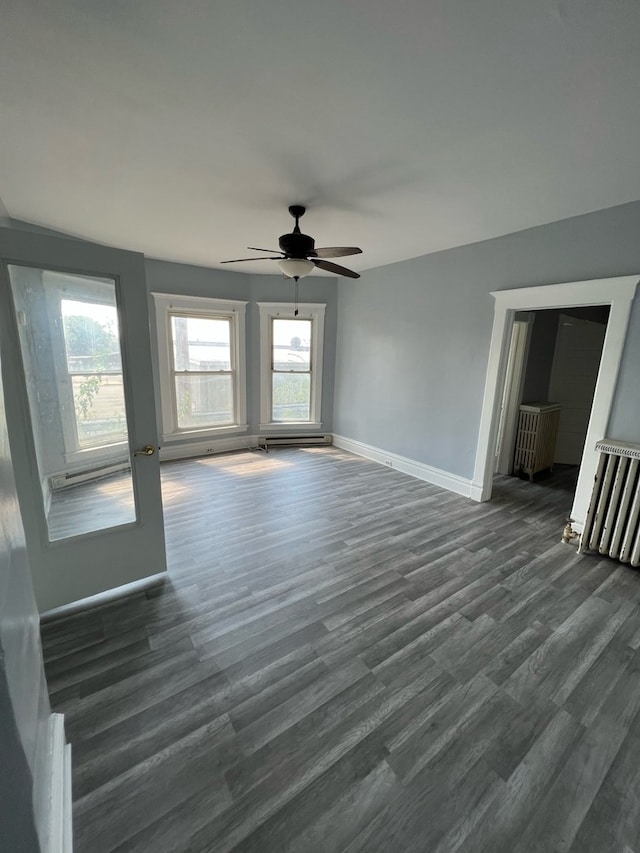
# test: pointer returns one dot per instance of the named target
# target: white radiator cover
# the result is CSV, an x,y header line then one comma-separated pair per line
x,y
536,437
612,526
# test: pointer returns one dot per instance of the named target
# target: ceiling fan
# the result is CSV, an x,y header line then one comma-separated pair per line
x,y
298,256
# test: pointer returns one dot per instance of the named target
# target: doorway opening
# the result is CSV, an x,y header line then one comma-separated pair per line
x,y
550,380
617,294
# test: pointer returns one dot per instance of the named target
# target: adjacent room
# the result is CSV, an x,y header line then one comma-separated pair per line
x,y
332,545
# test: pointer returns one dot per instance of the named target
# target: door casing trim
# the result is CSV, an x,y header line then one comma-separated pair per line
x,y
618,293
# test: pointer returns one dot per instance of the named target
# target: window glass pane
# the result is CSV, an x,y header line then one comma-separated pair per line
x,y
92,351
201,343
203,401
291,345
291,396
98,400
91,336
70,342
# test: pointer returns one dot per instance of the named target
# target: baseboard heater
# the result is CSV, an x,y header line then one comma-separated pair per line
x,y
612,525
265,442
64,481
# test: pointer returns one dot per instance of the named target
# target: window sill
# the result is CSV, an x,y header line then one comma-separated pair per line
x,y
290,425
190,435
106,452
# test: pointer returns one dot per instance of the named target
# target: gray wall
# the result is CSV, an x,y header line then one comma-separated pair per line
x,y
4,215
413,337
165,277
624,423
540,360
24,703
542,347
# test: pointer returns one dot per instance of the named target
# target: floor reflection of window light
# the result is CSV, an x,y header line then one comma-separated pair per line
x,y
172,492
249,466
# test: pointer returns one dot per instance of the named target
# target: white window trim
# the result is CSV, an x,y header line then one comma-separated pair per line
x,y
93,455
55,292
313,311
165,304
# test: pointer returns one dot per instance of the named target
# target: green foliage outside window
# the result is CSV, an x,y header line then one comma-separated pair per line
x,y
291,392
91,347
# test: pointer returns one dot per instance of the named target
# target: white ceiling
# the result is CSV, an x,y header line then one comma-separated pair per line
x,y
185,129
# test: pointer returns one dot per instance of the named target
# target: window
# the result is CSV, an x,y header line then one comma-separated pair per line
x,y
71,353
202,369
94,371
291,364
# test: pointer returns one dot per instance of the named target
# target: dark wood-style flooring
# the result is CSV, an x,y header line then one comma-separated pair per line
x,y
348,659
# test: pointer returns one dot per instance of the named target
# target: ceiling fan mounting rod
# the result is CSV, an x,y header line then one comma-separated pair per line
x,y
297,210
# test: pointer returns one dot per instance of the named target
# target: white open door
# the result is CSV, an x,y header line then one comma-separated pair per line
x,y
574,374
80,405
512,395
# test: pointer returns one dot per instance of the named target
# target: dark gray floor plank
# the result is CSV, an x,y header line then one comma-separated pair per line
x,y
558,664
348,659
518,650
279,830
526,787
361,802
112,752
449,722
120,808
570,796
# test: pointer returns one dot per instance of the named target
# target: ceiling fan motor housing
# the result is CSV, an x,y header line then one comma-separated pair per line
x,y
297,245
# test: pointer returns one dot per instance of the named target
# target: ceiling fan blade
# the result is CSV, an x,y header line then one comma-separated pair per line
x,y
253,249
329,267
336,252
240,260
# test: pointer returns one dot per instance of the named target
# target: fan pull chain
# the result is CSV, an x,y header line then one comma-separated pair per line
x,y
295,313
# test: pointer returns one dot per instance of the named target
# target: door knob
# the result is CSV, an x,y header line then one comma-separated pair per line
x,y
147,450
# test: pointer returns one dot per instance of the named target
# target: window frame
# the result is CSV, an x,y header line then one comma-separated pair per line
x,y
269,311
55,293
168,305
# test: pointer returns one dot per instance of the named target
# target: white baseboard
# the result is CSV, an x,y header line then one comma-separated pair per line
x,y
211,446
102,597
207,447
477,493
58,825
443,479
67,828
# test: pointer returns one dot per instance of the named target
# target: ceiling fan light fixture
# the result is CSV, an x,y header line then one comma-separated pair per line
x,y
296,267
